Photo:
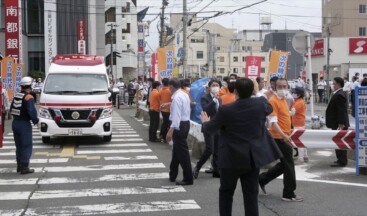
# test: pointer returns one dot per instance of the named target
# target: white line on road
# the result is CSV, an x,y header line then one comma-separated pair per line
x,y
38,161
125,135
12,142
139,157
72,180
126,140
116,208
12,138
113,145
90,192
10,212
123,129
123,132
34,147
115,151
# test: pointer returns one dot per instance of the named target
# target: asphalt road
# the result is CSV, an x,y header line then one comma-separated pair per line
x,y
84,176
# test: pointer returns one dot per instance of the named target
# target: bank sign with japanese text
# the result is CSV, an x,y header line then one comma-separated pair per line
x,y
278,64
12,29
361,127
165,62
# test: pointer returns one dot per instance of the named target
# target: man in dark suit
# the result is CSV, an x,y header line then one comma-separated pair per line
x,y
245,145
337,117
210,103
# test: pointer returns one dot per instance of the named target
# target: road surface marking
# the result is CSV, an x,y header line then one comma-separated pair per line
x,y
112,151
72,180
116,208
34,147
89,192
113,145
126,140
139,157
38,161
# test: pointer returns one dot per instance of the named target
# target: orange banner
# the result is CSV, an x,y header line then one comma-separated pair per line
x,y
17,76
165,62
278,64
7,75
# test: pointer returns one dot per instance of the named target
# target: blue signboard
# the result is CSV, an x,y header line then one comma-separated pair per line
x,y
361,127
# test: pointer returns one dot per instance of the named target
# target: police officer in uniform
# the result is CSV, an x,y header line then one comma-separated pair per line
x,y
23,111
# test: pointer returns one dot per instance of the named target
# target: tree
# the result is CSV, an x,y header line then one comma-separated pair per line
x,y
37,74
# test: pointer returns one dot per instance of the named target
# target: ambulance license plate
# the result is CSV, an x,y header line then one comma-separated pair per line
x,y
75,132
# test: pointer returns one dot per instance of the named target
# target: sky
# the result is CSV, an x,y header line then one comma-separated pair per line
x,y
290,14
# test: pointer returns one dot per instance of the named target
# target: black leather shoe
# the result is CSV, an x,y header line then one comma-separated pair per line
x,y
216,174
262,187
209,170
26,170
195,172
172,180
156,140
338,165
183,183
18,168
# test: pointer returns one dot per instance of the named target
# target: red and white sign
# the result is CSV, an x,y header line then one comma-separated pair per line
x,y
81,37
318,48
335,139
253,67
357,46
322,73
12,29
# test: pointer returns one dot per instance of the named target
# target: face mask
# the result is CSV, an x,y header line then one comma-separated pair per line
x,y
214,90
232,80
295,96
281,93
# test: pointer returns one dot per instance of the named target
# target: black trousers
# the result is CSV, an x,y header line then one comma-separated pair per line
x,y
131,98
165,124
154,124
3,116
286,167
321,93
250,190
211,147
341,155
180,153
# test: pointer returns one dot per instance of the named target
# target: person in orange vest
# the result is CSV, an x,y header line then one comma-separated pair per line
x,y
298,113
224,90
165,97
230,96
154,112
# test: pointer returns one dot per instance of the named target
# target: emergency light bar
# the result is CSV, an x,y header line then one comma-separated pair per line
x,y
78,60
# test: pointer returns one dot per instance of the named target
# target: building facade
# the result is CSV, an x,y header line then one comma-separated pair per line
x,y
344,18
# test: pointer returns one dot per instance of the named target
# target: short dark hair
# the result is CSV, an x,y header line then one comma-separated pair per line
x,y
364,82
274,79
258,79
340,81
244,87
155,84
150,80
215,81
165,81
231,87
185,83
354,78
225,79
175,83
235,75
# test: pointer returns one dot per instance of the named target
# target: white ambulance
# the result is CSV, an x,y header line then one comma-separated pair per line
x,y
75,98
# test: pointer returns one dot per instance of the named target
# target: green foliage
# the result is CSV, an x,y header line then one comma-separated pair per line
x,y
37,74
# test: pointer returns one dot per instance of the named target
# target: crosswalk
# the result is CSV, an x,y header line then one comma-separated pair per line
x,y
127,178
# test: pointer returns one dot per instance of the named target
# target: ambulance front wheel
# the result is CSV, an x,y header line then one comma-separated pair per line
x,y
46,140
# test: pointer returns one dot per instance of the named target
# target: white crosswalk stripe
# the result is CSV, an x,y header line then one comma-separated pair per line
x,y
126,158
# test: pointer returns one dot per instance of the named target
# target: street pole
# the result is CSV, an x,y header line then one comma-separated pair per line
x,y
111,52
161,35
328,64
310,73
184,33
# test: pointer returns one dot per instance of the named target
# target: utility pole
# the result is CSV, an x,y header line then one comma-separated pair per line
x,y
184,33
162,35
328,64
111,52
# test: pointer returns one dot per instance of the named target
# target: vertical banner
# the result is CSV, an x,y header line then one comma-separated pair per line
x,y
361,127
165,62
278,64
17,76
253,67
7,75
81,37
50,32
154,65
12,33
141,49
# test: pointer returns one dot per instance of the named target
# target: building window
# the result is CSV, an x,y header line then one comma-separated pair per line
x,y
35,17
263,58
262,70
218,48
221,70
110,15
243,58
235,58
362,8
199,54
221,59
2,14
235,70
362,31
110,38
108,59
128,7
197,39
127,30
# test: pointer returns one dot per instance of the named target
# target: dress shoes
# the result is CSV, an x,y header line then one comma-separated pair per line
x,y
183,183
262,187
195,172
26,170
172,180
210,170
156,140
337,165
